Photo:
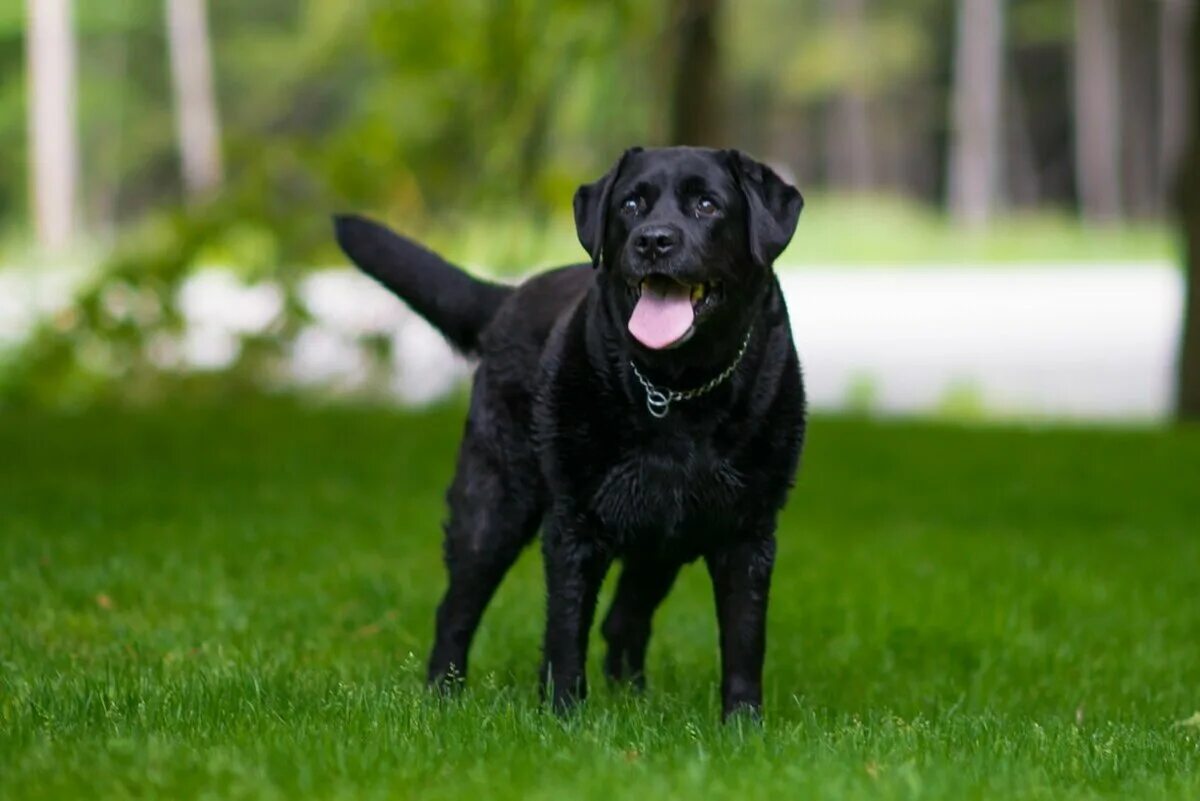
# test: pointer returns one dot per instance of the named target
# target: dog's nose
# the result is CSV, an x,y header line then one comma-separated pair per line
x,y
655,241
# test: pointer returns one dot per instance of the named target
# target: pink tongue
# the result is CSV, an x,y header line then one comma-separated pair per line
x,y
663,314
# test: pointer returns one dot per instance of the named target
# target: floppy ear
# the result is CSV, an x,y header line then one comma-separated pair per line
x,y
772,207
591,209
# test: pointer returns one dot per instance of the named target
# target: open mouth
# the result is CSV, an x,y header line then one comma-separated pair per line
x,y
666,309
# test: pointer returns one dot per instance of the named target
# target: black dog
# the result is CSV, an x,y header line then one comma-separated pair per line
x,y
650,409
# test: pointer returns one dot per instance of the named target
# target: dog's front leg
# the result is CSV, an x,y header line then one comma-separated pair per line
x,y
575,563
741,576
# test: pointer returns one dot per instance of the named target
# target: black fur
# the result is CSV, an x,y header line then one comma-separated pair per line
x,y
559,436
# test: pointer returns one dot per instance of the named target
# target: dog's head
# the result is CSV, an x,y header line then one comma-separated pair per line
x,y
686,237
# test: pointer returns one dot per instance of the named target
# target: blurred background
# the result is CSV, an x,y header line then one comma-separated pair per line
x,y
998,190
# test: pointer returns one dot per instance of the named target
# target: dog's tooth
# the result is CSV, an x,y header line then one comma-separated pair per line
x,y
697,293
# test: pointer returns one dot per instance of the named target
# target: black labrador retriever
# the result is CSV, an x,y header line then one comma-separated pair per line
x,y
647,407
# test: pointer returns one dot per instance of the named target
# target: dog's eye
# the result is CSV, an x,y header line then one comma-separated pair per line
x,y
633,205
706,207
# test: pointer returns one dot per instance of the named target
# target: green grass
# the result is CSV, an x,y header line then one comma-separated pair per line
x,y
890,230
834,230
235,603
845,230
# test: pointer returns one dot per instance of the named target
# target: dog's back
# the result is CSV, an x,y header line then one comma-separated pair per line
x,y
526,317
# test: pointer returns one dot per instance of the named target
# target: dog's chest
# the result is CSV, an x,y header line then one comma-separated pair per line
x,y
665,490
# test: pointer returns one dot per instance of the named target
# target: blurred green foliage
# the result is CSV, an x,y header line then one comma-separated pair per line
x,y
440,110
412,109
415,111
466,123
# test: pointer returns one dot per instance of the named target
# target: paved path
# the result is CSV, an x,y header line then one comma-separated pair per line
x,y
1096,341
1089,341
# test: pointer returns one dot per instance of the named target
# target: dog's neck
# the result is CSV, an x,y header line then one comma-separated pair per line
x,y
660,399
717,372
704,359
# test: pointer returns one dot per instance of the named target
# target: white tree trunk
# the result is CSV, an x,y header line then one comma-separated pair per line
x,y
1097,118
974,167
53,135
196,121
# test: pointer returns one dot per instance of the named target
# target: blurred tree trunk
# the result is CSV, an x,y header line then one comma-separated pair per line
x,y
196,120
1097,122
1188,194
1138,29
696,80
53,132
978,87
1020,183
1174,27
848,123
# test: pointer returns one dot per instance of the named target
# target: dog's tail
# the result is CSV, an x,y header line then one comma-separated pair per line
x,y
449,299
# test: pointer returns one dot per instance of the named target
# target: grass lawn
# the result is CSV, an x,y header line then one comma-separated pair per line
x,y
237,603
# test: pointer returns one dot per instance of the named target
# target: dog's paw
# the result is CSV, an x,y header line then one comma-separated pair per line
x,y
742,713
620,673
562,695
445,679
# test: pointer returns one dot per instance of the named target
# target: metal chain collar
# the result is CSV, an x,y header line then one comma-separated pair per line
x,y
659,399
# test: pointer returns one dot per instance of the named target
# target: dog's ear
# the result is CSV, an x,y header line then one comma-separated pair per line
x,y
772,207
591,209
